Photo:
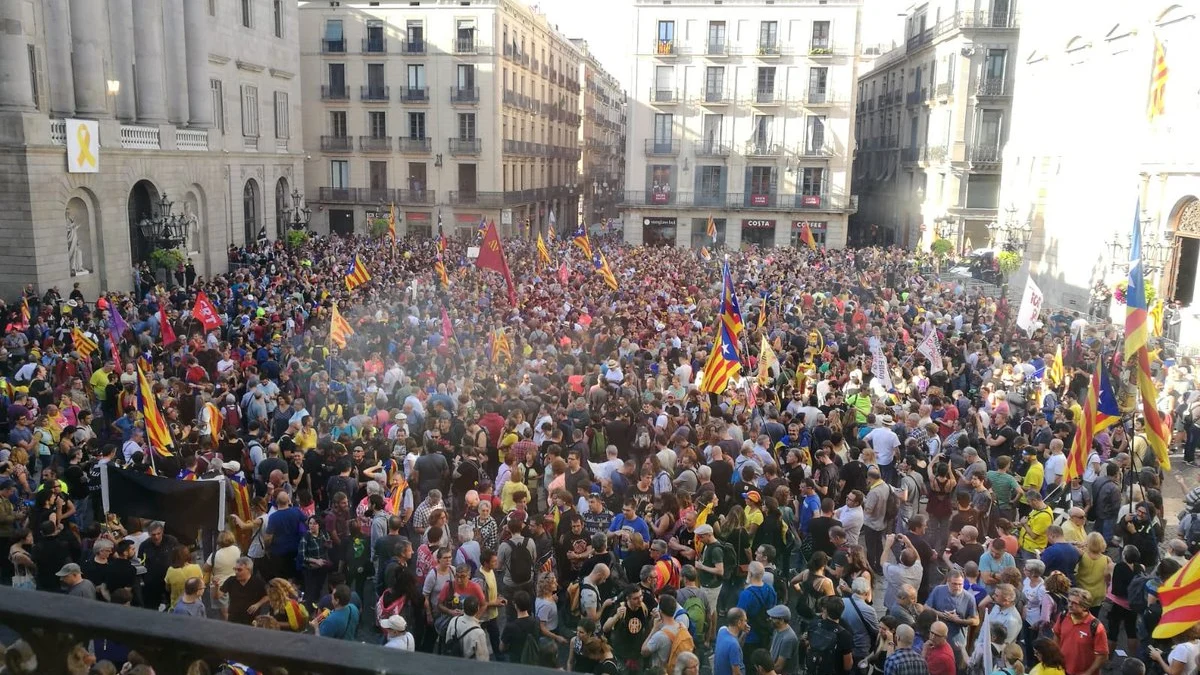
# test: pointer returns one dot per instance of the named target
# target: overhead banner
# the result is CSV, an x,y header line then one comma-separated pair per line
x,y
185,505
1031,305
932,351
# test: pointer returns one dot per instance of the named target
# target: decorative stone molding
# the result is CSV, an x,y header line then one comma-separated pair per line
x,y
252,67
282,74
218,59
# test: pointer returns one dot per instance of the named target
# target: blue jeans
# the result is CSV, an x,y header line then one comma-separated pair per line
x,y
1105,527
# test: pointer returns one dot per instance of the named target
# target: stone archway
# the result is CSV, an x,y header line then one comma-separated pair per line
x,y
142,204
1179,283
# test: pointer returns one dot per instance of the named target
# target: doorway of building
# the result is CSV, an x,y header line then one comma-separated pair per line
x,y
143,200
341,222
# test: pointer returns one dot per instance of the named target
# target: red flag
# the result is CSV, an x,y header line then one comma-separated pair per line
x,y
447,327
205,312
563,275
115,350
168,333
491,256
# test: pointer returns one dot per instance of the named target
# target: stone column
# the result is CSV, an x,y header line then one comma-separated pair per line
x,y
57,19
89,43
16,84
200,112
176,66
120,28
148,55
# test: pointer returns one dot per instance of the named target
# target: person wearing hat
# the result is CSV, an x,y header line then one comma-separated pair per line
x,y
711,564
784,643
396,631
71,577
885,443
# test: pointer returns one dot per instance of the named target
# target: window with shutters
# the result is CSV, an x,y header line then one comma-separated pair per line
x,y
218,103
377,123
249,111
466,126
282,121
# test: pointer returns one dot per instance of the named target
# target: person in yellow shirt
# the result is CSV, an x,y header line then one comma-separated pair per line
x,y
515,484
1033,526
1035,475
306,436
1074,530
99,381
754,514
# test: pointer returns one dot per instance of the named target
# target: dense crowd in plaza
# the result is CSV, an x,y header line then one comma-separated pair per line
x,y
553,483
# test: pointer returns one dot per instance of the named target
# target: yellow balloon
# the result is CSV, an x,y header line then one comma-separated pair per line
x,y
408,254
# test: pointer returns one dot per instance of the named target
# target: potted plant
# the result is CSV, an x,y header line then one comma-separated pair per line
x,y
820,51
167,258
297,238
940,248
1121,289
1008,262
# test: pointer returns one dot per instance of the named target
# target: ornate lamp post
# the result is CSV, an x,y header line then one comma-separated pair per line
x,y
163,229
298,215
1156,248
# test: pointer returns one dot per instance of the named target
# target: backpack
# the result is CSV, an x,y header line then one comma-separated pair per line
x,y
425,562
531,653
731,560
822,649
454,646
1191,501
575,593
681,642
520,562
1137,590
697,615
1189,531
598,447
892,508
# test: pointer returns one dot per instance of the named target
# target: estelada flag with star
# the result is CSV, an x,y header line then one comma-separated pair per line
x,y
491,257
205,312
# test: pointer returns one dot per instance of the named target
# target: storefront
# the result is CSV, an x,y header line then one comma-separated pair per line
x,y
465,226
420,223
758,232
818,230
659,231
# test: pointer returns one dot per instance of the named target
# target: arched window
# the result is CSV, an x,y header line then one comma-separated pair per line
x,y
281,207
251,213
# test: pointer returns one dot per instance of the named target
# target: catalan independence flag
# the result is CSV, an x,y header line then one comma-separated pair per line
x,y
543,252
581,240
1158,81
339,329
241,496
83,344
806,236
439,268
500,347
711,230
356,274
605,272
1179,596
724,363
731,311
24,313
157,433
1137,331
1099,412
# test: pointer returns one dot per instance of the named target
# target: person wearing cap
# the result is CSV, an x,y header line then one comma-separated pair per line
x,y
711,565
397,635
71,577
785,645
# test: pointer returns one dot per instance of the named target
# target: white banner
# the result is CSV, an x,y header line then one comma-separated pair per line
x,y
932,351
879,369
1031,305
83,146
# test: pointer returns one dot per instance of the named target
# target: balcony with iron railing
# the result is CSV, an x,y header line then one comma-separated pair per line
x,y
992,86
464,95
374,45
711,148
910,155
414,95
465,146
416,196
337,194
818,97
414,47
964,20
935,154
821,49
375,143
716,96
466,45
335,92
333,46
508,51
375,93
769,48
662,147
766,97
984,157
718,48
476,198
762,149
945,90
662,97
337,143
375,195
667,48
913,98
421,146
815,149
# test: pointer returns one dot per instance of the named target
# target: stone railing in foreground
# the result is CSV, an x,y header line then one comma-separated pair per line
x,y
51,625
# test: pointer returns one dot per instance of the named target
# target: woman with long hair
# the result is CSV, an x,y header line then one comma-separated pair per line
x,y
664,515
1014,661
732,529
315,554
284,602
182,568
773,531
20,554
1049,657
400,597
856,566
1120,574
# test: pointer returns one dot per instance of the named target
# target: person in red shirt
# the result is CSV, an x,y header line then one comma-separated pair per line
x,y
1082,638
450,602
939,655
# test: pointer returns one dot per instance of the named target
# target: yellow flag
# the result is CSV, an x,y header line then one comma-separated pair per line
x,y
767,361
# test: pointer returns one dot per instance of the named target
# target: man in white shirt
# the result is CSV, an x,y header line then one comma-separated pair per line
x,y
133,445
851,516
884,442
603,470
1056,464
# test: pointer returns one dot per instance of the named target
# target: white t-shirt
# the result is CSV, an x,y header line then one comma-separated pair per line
x,y
1185,653
403,641
1054,469
884,441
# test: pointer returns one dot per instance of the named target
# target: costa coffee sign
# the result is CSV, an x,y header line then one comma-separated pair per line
x,y
758,224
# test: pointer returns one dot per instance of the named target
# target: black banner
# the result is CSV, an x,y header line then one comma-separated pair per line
x,y
183,505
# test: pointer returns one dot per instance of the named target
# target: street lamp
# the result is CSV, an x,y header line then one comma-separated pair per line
x,y
297,217
1156,248
164,229
1011,235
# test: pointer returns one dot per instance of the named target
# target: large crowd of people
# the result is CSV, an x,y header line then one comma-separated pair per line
x,y
574,499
